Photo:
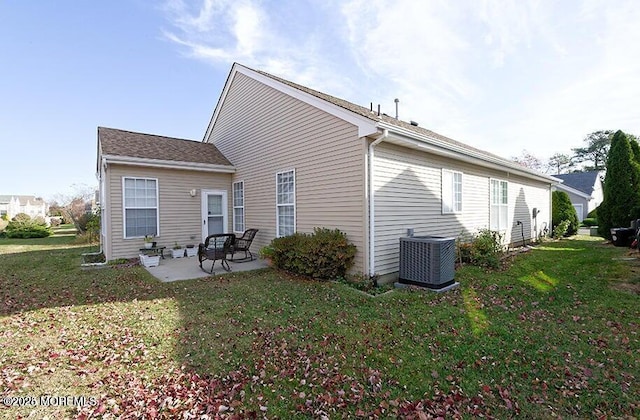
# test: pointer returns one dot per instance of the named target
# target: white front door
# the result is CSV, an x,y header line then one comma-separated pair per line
x,y
214,212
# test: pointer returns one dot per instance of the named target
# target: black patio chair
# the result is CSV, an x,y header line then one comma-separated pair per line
x,y
216,247
243,243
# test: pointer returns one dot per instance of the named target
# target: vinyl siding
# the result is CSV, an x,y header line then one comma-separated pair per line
x,y
263,131
408,191
598,196
180,214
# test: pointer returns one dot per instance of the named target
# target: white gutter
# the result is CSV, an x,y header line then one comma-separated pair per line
x,y
167,164
372,229
439,147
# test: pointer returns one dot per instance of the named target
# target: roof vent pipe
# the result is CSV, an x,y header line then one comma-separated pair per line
x,y
396,101
378,110
414,123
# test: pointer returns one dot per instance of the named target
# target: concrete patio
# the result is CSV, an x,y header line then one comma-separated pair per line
x,y
173,269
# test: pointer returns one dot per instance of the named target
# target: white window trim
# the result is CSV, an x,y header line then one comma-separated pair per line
x,y
124,207
501,205
449,192
233,198
295,215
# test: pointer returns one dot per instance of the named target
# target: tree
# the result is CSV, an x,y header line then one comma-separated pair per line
x,y
560,163
528,160
597,150
635,148
75,208
562,210
621,187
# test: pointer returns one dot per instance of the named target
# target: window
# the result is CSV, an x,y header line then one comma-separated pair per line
x,y
238,206
451,192
140,198
499,205
285,203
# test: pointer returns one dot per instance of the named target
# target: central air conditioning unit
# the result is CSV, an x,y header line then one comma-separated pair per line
x,y
427,261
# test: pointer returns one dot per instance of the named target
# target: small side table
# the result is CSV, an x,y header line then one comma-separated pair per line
x,y
156,250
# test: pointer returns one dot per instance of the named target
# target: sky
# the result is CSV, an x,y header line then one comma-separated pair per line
x,y
500,75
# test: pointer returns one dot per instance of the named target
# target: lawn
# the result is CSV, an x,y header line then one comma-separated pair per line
x,y
554,334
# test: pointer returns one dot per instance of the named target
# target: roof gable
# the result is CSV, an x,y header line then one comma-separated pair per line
x,y
582,181
121,143
366,126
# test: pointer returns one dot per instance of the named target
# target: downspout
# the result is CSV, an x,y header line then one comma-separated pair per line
x,y
104,222
372,229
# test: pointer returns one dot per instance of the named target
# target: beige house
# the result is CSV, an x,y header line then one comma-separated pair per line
x,y
11,205
282,158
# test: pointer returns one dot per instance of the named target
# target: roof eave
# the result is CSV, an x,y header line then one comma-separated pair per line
x,y
572,190
436,146
167,164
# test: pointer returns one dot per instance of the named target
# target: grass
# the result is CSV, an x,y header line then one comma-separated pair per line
x,y
555,334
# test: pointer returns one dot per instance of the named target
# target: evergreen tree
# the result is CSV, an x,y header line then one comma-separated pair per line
x,y
635,148
597,150
621,187
562,209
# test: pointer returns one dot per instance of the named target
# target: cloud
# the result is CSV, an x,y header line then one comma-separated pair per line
x,y
218,30
503,75
412,51
594,86
245,31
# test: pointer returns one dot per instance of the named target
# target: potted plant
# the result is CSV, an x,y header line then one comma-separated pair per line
x,y
148,241
266,253
177,251
192,251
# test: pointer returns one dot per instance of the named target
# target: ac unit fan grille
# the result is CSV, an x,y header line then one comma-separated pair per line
x,y
427,261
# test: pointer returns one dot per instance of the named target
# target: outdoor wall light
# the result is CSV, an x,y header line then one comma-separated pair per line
x,y
192,192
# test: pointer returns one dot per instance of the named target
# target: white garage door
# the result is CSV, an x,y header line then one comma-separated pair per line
x,y
578,208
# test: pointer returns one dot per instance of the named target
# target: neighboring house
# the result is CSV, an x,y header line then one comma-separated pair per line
x,y
11,205
283,158
584,189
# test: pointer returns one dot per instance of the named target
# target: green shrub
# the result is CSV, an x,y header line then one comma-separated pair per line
x,y
325,254
593,214
266,252
27,228
562,210
589,221
88,221
561,229
484,249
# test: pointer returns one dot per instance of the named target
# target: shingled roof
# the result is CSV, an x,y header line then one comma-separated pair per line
x,y
367,113
22,199
114,142
581,181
